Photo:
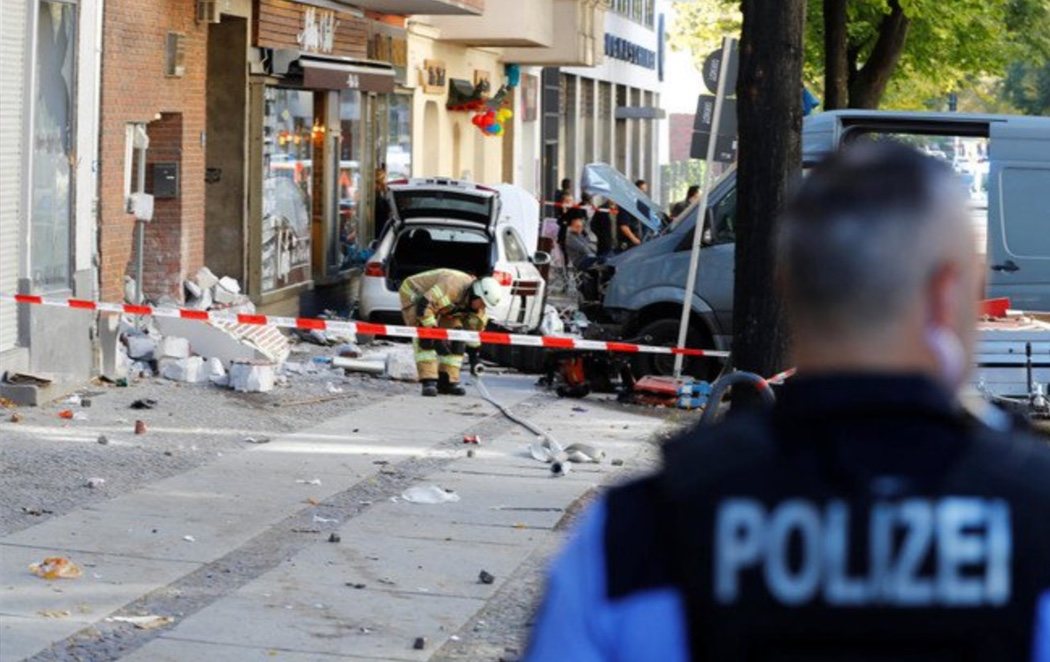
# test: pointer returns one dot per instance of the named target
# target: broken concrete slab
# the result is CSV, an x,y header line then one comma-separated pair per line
x,y
252,376
172,347
141,347
401,365
229,342
226,291
206,279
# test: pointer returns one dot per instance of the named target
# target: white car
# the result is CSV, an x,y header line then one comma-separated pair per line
x,y
444,223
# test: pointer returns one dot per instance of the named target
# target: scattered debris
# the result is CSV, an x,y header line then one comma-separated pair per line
x,y
617,462
472,439
312,481
189,538
37,512
579,409
56,567
217,372
66,414
486,577
559,469
148,622
470,452
429,494
334,537
324,520
184,369
144,403
141,347
419,644
312,501
173,347
367,366
583,453
15,418
85,402
140,427
95,483
252,376
355,585
256,440
103,439
73,400
332,388
347,350
54,613
386,581
401,365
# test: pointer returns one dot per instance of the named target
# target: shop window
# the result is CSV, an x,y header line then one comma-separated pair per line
x,y
399,138
344,243
288,137
51,202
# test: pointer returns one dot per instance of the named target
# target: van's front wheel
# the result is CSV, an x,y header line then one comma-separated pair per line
x,y
665,333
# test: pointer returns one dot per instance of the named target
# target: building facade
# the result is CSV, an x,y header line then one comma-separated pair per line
x,y
49,100
608,113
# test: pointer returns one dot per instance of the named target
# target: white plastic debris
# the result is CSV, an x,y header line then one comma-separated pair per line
x,y
190,369
332,388
552,324
324,520
428,494
312,481
226,291
252,376
95,483
189,538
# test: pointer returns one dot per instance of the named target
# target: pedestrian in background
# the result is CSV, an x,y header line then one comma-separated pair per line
x,y
692,195
865,517
642,185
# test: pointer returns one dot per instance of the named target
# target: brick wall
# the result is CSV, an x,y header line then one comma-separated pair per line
x,y
135,89
680,135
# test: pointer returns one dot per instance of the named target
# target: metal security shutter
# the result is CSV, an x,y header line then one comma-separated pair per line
x,y
12,50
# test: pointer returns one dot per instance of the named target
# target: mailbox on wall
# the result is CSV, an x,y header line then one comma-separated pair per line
x,y
165,180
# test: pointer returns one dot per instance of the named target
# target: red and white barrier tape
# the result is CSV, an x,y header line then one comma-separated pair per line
x,y
363,328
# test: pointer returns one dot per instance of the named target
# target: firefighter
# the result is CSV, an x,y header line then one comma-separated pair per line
x,y
448,299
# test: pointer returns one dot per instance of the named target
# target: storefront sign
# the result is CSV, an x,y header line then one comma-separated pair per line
x,y
283,24
432,77
330,76
621,49
318,31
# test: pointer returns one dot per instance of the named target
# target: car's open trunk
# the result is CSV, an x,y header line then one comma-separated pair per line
x,y
420,247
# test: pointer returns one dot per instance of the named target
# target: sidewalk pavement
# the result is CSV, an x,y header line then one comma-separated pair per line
x,y
418,564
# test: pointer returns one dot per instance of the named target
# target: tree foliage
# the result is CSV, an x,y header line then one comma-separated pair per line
x,y
1027,87
898,53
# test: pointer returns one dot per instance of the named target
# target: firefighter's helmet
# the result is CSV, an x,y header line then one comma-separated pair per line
x,y
488,290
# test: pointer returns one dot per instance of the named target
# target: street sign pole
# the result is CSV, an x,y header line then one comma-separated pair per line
x,y
698,231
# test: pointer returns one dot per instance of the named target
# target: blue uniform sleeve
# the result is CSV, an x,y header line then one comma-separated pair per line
x,y
1041,644
578,622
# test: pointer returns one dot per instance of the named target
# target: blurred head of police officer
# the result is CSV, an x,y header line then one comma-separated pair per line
x,y
864,517
878,266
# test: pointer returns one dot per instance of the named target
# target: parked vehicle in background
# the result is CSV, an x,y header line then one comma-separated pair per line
x,y
444,223
645,295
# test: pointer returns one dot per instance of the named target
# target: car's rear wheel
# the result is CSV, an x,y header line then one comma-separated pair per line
x,y
664,333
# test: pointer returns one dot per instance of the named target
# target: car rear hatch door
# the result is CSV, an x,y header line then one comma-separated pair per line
x,y
433,199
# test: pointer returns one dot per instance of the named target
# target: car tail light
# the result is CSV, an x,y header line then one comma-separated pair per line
x,y
375,270
397,182
503,278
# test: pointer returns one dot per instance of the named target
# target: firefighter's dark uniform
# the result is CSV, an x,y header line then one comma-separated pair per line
x,y
864,518
440,298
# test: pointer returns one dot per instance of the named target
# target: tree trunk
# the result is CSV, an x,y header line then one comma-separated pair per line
x,y
769,118
869,83
836,55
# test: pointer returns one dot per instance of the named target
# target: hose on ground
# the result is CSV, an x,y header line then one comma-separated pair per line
x,y
726,382
487,397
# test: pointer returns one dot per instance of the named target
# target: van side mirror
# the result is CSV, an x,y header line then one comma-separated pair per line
x,y
541,258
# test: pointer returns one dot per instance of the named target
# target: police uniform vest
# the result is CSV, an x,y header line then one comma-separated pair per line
x,y
863,519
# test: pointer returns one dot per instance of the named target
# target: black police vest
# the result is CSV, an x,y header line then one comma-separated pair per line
x,y
795,544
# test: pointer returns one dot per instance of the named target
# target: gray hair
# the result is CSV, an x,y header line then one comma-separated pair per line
x,y
864,232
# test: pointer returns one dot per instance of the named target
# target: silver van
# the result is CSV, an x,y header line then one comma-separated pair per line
x,y
1005,160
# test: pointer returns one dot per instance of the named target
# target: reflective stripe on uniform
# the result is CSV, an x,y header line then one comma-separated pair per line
x,y
428,320
426,356
451,359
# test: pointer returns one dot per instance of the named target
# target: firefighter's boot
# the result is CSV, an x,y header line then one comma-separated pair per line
x,y
430,388
447,387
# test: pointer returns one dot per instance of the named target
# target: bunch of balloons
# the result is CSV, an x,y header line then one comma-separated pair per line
x,y
491,121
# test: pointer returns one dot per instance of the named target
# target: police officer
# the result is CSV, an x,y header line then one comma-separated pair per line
x,y
864,517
